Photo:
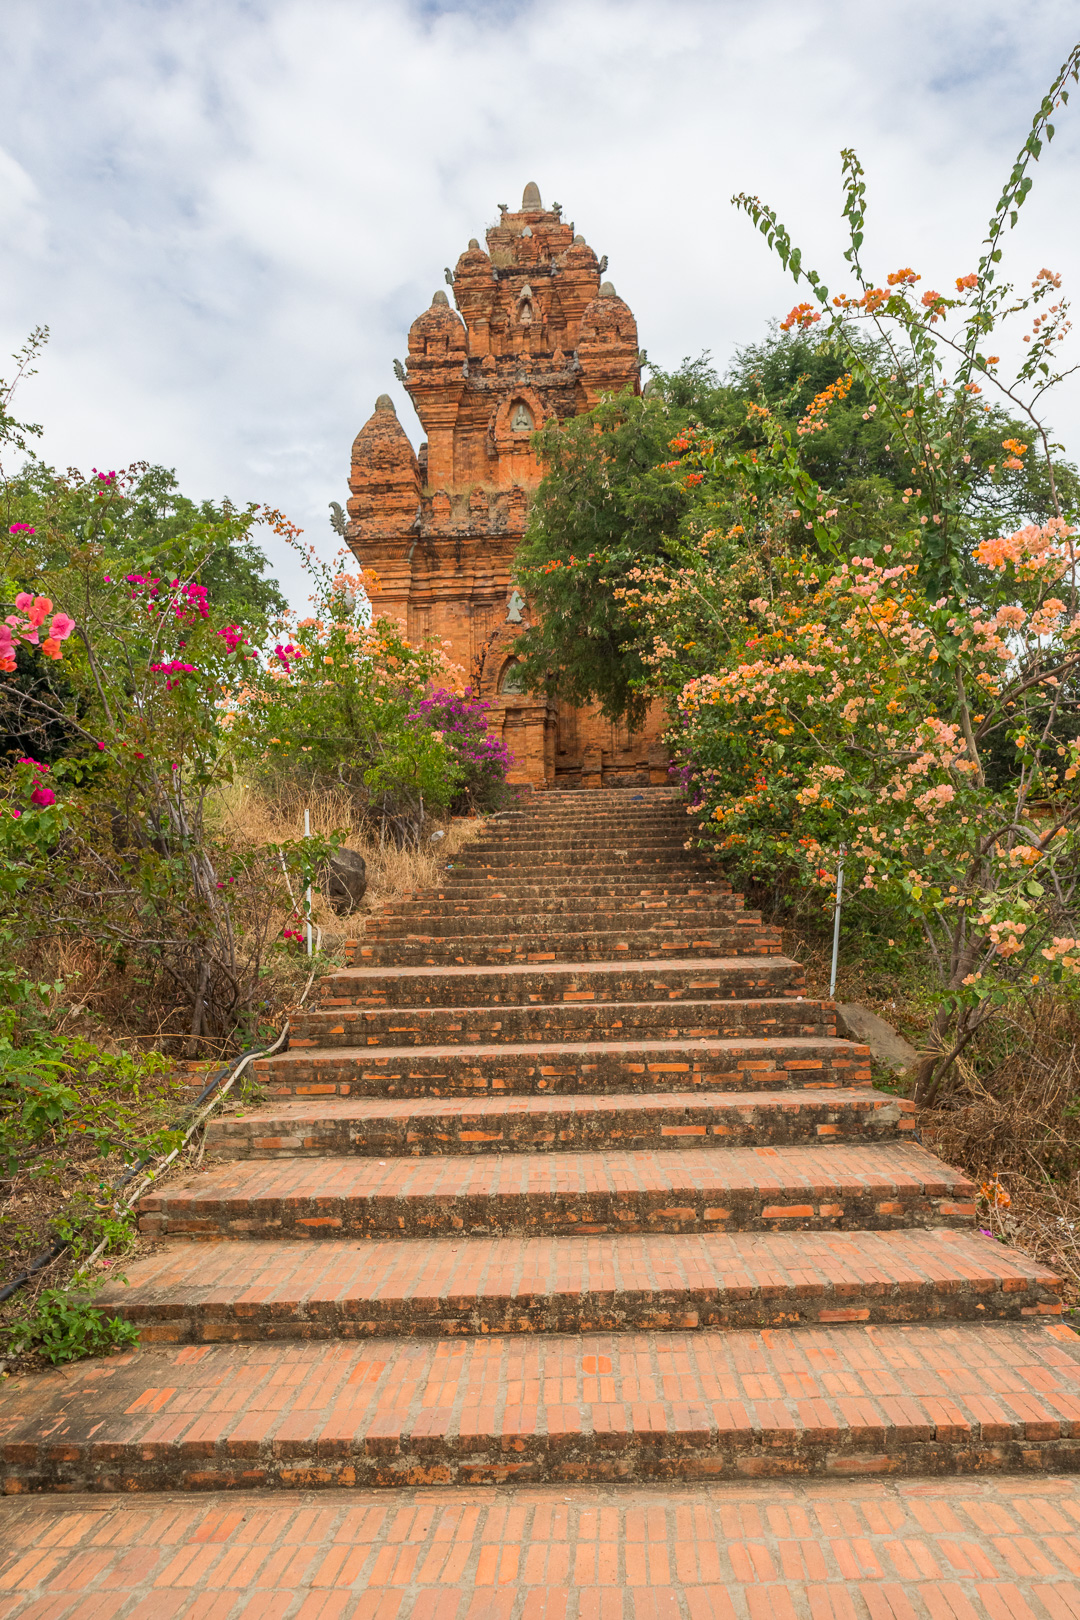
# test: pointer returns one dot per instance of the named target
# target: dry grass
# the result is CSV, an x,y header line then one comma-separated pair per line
x,y
1012,1118
254,817
116,1010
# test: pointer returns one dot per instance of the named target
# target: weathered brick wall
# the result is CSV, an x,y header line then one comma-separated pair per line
x,y
536,335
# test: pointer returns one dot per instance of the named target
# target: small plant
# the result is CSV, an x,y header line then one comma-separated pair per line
x,y
63,1325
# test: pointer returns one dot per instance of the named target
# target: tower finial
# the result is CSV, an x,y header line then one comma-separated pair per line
x,y
531,197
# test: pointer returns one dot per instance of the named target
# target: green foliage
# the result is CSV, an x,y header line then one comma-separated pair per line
x,y
62,1325
606,505
53,1090
343,700
141,523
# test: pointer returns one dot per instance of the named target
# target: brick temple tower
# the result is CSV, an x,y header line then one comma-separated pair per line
x,y
536,335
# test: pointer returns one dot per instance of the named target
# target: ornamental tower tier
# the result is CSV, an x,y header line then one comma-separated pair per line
x,y
536,335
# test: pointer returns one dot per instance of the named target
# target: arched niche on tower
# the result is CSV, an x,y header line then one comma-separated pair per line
x,y
511,681
516,419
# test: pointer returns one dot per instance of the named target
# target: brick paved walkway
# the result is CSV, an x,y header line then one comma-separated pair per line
x,y
568,1181
864,1550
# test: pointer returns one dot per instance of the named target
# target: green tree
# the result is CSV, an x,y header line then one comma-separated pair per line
x,y
607,504
612,502
143,524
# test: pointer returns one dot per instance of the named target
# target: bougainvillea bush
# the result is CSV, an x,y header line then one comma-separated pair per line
x,y
481,760
342,697
914,699
132,853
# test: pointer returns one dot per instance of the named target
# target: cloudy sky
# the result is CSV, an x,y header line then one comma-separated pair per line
x,y
229,211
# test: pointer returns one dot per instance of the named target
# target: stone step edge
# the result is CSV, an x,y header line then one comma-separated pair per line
x,y
600,1408
412,1288
763,1046
629,965
833,1187
730,1006
540,1124
480,950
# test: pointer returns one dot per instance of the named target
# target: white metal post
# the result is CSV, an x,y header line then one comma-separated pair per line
x,y
307,892
836,921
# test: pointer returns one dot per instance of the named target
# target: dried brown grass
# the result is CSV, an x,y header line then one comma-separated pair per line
x,y
1011,1118
254,815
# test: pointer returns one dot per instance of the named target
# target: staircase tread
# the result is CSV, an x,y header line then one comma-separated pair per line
x,y
696,964
505,1049
813,1171
267,1270
661,1102
887,1399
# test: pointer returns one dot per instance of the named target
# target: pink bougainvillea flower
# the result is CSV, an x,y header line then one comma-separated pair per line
x,y
23,601
43,796
22,528
61,627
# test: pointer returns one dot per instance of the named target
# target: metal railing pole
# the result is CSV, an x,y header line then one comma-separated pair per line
x,y
836,921
307,894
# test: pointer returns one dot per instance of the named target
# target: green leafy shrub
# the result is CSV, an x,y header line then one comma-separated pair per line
x,y
63,1325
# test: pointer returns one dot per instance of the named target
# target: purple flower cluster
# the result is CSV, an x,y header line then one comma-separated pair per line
x,y
173,670
190,599
464,726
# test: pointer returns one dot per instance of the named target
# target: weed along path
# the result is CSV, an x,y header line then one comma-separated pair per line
x,y
567,1188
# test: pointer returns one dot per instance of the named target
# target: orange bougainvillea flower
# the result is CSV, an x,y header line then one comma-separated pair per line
x,y
903,278
995,1194
964,282
802,316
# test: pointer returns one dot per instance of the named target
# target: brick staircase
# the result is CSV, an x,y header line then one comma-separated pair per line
x,y
567,1179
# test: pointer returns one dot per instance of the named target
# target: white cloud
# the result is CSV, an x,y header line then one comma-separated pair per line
x,y
229,212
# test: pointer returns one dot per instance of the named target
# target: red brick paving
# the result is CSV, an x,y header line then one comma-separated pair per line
x,y
976,1549
686,1189
189,1292
600,1407
756,1294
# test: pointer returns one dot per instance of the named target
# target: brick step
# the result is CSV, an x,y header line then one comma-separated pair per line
x,y
450,888
615,909
888,1400
561,846
594,810
617,825
739,977
582,1068
881,1186
646,794
744,937
371,1126
571,918
560,1021
601,863
666,824
199,1293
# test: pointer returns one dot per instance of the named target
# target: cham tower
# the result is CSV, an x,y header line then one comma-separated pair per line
x,y
536,334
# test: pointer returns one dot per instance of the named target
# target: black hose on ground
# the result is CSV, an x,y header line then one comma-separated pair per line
x,y
49,1255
